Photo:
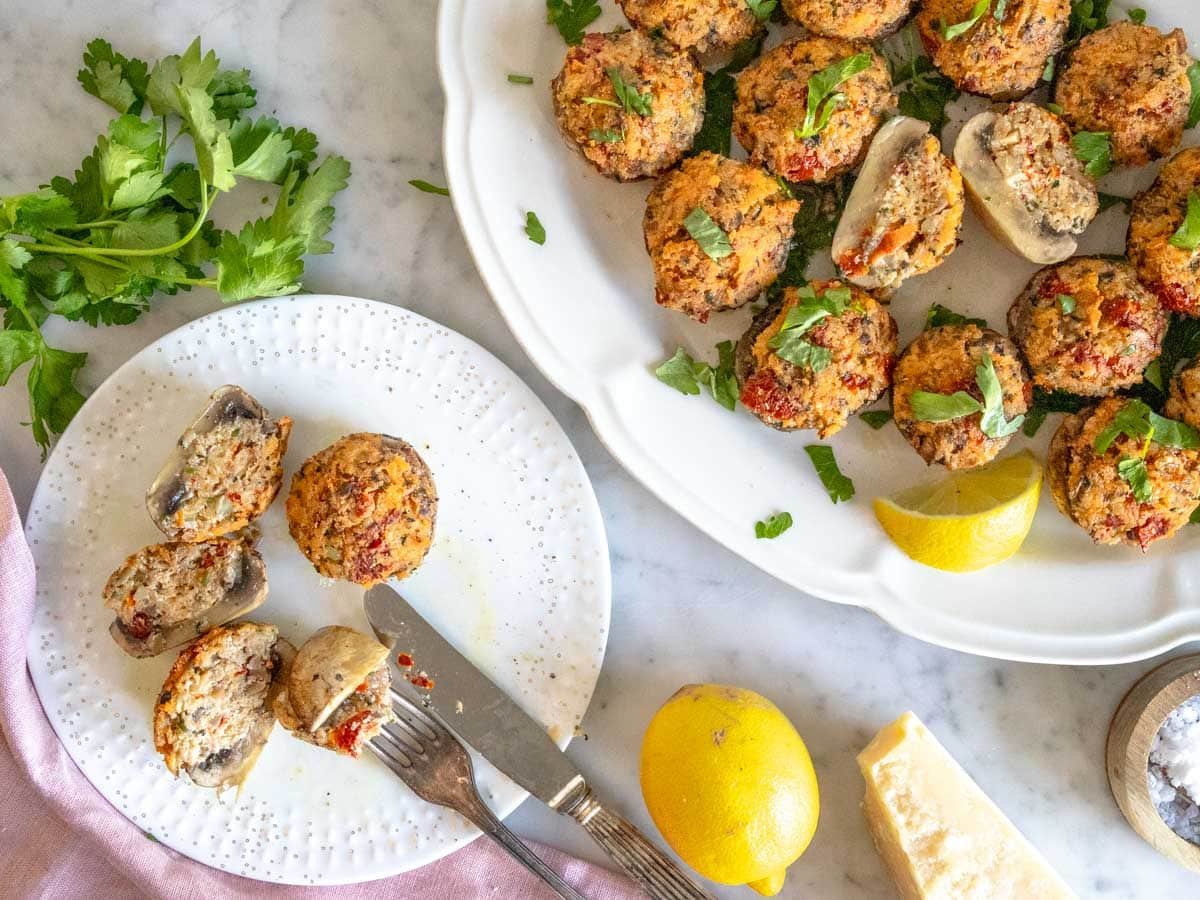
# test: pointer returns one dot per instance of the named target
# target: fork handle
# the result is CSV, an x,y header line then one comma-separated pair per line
x,y
483,819
658,875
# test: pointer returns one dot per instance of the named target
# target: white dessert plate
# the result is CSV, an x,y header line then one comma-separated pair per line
x,y
517,576
582,306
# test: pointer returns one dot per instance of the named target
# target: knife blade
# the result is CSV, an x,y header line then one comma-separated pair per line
x,y
482,714
507,737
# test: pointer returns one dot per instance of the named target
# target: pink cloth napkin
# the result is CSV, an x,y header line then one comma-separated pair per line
x,y
101,854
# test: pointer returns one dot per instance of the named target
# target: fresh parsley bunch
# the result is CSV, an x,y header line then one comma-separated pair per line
x,y
127,226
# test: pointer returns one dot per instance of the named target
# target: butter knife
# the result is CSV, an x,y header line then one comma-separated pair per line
x,y
514,743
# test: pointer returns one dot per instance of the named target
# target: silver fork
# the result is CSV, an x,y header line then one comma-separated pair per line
x,y
431,761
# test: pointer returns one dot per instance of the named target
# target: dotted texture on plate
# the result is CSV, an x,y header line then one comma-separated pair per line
x,y
517,577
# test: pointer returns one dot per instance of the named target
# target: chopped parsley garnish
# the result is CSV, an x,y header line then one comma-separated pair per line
x,y
939,315
1094,150
720,87
1153,374
1187,236
931,407
1055,108
762,9
534,229
1066,303
813,227
823,100
686,375
631,101
1045,402
520,79
1033,421
1132,470
572,17
950,32
926,92
606,135
1193,74
1086,16
427,188
998,12
1048,74
790,343
838,486
876,418
708,234
1138,15
1137,421
1107,200
773,527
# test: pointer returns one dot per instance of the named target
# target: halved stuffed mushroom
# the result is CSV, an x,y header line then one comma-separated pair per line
x,y
816,356
1025,181
336,694
629,103
166,594
904,212
756,214
213,715
224,472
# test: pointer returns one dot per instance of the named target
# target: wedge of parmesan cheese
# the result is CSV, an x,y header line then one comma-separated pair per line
x,y
940,836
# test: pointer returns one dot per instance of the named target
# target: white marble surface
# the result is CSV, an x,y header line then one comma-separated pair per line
x,y
361,74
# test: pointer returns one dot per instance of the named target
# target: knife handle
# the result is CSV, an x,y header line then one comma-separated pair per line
x,y
661,878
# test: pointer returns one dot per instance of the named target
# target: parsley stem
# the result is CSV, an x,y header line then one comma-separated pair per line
x,y
102,223
96,252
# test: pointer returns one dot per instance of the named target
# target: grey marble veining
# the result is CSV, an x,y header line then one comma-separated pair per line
x,y
362,75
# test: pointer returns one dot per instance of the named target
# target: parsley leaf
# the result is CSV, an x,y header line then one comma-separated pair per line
x,y
1170,433
708,234
572,17
1132,470
992,422
926,93
305,205
1193,74
1132,420
876,418
998,12
822,101
631,101
775,525
1086,16
813,227
720,88
1033,421
257,263
54,398
939,315
533,228
117,80
519,79
1153,374
426,188
838,486
762,9
686,375
1094,150
950,32
601,136
1138,15
789,342
1187,236
930,407
1066,303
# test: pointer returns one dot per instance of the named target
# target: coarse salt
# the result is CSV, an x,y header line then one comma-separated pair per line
x,y
1174,770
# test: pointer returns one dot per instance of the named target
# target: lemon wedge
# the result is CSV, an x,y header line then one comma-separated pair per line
x,y
968,520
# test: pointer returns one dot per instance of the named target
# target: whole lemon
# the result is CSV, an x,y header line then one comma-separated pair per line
x,y
730,785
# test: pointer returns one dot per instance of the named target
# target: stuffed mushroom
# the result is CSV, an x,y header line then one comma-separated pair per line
x,y
214,712
337,692
854,20
999,56
703,26
754,211
1164,263
948,362
1183,396
363,509
1087,326
1025,181
224,471
781,130
1118,488
815,357
166,594
904,212
631,104
1130,81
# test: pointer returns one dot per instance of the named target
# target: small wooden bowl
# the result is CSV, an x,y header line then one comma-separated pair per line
x,y
1127,755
